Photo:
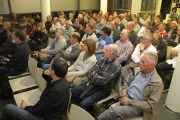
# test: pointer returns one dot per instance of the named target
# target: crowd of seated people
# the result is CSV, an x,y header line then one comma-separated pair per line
x,y
96,51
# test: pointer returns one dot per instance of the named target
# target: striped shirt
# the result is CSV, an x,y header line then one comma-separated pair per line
x,y
125,50
136,88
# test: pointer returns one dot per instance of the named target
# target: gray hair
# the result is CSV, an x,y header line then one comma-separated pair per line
x,y
68,22
158,36
56,18
164,25
71,14
149,36
115,50
122,15
152,57
131,23
61,29
80,15
49,16
127,32
7,23
63,19
116,24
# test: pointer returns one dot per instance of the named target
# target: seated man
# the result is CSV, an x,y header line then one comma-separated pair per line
x,y
80,28
115,31
3,33
120,25
62,22
140,93
160,46
71,17
53,101
172,29
19,61
103,76
24,22
162,31
68,30
137,27
168,65
101,26
55,24
48,23
133,35
174,39
104,40
125,47
69,52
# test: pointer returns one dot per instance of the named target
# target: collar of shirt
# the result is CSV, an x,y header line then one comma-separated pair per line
x,y
147,75
74,45
124,41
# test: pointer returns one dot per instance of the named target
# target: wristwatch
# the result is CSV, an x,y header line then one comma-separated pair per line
x,y
141,50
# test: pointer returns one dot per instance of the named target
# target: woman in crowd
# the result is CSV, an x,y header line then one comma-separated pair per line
x,y
34,33
173,14
30,28
86,60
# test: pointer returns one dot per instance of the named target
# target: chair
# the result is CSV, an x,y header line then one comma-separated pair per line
x,y
77,113
32,97
68,108
114,92
169,48
24,82
130,118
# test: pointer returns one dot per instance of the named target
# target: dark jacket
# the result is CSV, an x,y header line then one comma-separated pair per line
x,y
116,33
121,26
48,25
43,36
132,36
76,50
3,37
172,43
174,31
155,27
19,60
81,32
33,34
163,50
53,102
8,48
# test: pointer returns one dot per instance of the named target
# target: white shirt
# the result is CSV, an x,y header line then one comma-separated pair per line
x,y
142,31
54,26
136,57
144,21
91,36
174,60
136,28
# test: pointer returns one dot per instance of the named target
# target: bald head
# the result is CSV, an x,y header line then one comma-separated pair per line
x,y
173,24
114,49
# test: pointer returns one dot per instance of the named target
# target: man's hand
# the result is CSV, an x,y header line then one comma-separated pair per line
x,y
171,39
124,101
9,55
42,50
6,59
142,46
158,52
47,72
23,104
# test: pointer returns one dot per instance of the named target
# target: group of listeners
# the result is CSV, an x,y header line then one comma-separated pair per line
x,y
91,54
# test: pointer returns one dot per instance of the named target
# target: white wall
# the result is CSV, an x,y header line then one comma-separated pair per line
x,y
4,8
89,4
136,6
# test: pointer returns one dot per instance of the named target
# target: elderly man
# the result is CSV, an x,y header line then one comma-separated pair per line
x,y
125,47
115,31
3,33
71,17
55,24
133,35
48,23
104,40
123,20
63,22
168,65
137,27
174,40
162,31
144,28
80,17
69,52
53,101
172,29
19,61
102,77
99,30
99,15
140,92
68,30
143,22
160,46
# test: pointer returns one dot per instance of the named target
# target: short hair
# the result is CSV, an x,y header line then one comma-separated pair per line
x,y
104,19
151,29
68,22
7,23
56,18
119,17
175,22
81,22
158,36
11,29
116,24
91,45
21,34
131,23
49,16
31,21
115,51
164,25
90,25
61,29
60,67
71,14
76,35
122,15
174,8
152,57
149,23
137,18
139,14
149,36
107,30
127,32
36,23
80,15
95,13
95,19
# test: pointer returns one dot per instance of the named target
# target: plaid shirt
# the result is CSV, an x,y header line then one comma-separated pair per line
x,y
125,50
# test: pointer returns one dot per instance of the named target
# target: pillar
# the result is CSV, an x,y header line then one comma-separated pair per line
x,y
45,9
173,97
103,6
136,6
158,8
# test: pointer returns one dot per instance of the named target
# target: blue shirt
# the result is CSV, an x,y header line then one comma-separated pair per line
x,y
102,42
136,88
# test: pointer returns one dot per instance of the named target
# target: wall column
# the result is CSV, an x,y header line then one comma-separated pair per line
x,y
136,6
103,6
158,8
45,9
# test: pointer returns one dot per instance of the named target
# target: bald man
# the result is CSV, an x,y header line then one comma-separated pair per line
x,y
102,77
172,29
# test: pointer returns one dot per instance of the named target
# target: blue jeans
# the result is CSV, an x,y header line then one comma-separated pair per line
x,y
87,102
9,71
45,66
12,112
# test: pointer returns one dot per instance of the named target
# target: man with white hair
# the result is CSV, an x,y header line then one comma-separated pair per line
x,y
80,17
62,22
71,17
48,23
172,29
55,24
123,20
133,35
103,76
68,30
140,92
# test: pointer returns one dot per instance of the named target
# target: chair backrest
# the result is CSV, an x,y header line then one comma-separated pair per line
x,y
41,82
77,113
116,88
69,107
168,52
32,65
